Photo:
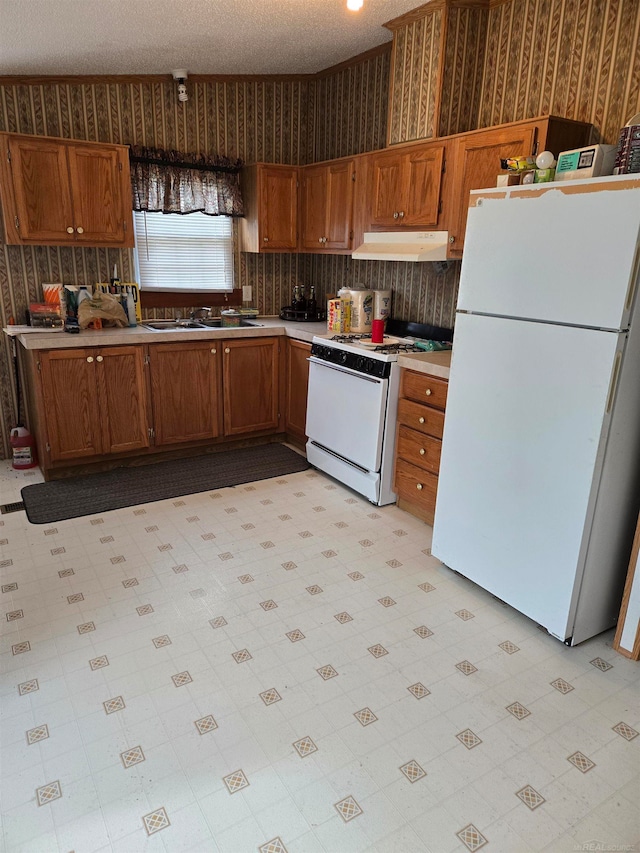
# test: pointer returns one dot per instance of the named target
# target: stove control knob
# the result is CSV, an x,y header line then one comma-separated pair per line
x,y
360,363
344,356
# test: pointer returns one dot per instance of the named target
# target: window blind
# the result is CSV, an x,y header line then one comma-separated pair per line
x,y
184,252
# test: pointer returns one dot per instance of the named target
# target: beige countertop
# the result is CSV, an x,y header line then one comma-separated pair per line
x,y
269,326
433,363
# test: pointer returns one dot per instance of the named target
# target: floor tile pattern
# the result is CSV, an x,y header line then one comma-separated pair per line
x,y
413,771
530,797
472,838
348,809
318,750
155,821
518,711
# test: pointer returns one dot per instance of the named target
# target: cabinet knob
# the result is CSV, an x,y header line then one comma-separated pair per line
x,y
401,214
422,451
214,351
395,214
320,239
80,229
265,239
69,230
99,358
428,392
452,239
227,350
421,420
90,359
419,487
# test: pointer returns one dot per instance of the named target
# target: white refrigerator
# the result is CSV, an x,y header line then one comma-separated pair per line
x,y
539,485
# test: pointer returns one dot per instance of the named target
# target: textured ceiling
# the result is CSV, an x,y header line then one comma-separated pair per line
x,y
204,36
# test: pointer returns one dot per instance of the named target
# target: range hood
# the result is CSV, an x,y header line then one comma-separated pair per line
x,y
403,246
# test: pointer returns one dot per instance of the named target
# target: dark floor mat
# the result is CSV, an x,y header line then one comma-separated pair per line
x,y
95,493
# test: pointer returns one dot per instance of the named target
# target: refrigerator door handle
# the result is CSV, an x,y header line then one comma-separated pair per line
x,y
614,381
633,281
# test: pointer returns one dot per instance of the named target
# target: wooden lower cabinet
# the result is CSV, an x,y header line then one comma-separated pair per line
x,y
420,424
94,401
297,383
186,391
250,376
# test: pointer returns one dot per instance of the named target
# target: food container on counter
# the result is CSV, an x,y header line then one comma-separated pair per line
x,y
381,305
230,318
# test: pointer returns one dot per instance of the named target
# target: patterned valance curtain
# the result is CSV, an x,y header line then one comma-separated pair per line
x,y
173,182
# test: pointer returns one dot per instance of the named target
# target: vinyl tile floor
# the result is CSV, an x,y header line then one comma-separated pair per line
x,y
282,666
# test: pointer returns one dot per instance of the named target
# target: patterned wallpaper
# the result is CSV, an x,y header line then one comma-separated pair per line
x,y
574,58
414,78
350,108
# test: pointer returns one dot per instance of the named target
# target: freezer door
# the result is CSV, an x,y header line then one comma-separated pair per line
x,y
524,436
553,254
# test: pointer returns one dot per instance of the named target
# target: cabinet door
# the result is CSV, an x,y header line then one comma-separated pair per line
x,y
477,163
339,205
123,398
278,207
314,207
387,189
71,408
41,190
297,387
251,389
423,179
97,192
185,391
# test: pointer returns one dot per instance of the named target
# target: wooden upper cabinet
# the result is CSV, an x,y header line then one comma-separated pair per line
x,y
185,391
406,186
477,159
270,195
95,401
101,199
251,370
60,192
477,163
327,206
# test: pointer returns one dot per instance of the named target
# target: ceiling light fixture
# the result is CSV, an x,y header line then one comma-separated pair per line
x,y
354,5
180,75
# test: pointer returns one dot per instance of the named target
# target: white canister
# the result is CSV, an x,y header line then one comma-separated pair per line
x,y
381,305
361,311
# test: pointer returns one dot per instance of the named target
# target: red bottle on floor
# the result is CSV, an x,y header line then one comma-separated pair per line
x,y
24,448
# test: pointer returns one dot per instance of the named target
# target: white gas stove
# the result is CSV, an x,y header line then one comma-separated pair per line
x,y
351,411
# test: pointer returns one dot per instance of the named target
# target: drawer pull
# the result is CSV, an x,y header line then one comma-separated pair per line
x,y
90,359
421,420
428,392
422,451
419,487
99,358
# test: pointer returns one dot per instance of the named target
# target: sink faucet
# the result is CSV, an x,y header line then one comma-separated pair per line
x,y
200,313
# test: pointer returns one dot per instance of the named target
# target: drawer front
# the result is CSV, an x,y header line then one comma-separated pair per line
x,y
416,486
423,418
424,389
421,450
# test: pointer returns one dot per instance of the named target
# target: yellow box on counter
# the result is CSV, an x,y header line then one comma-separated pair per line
x,y
122,290
339,316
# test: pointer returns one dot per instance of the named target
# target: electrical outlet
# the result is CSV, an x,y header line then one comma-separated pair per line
x,y
247,293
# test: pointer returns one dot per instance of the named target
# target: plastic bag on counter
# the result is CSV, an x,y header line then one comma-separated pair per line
x,y
103,307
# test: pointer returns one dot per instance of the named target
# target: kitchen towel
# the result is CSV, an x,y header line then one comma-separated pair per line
x,y
91,494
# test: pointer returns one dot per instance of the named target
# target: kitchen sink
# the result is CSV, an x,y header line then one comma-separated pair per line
x,y
160,325
206,323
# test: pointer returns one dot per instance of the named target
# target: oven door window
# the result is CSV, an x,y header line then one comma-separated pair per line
x,y
346,413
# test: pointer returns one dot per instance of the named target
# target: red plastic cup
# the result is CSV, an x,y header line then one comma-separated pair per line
x,y
377,331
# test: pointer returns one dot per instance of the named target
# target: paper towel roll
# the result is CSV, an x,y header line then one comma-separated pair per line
x,y
361,311
381,304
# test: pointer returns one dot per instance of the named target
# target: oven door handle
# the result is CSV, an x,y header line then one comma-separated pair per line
x,y
346,370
